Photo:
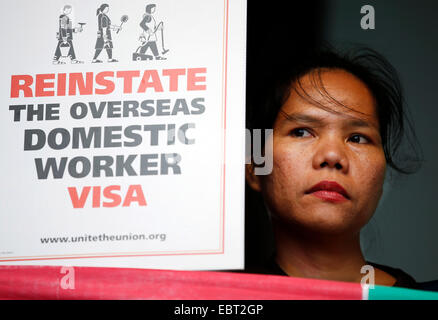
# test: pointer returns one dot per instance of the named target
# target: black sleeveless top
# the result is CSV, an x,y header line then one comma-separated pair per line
x,y
403,279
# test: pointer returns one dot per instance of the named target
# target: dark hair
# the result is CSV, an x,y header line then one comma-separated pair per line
x,y
101,8
371,68
149,8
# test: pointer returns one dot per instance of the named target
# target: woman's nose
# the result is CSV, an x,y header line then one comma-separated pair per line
x,y
331,154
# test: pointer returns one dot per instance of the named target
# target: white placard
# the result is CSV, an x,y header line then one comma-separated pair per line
x,y
122,133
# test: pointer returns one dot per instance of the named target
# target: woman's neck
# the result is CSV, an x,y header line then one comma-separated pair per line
x,y
329,257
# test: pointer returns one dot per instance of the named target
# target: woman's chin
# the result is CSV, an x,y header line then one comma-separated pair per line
x,y
326,221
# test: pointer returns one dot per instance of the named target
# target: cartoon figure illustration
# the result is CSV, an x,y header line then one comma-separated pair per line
x,y
65,48
148,37
104,37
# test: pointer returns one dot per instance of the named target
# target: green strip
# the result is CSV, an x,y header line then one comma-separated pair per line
x,y
394,293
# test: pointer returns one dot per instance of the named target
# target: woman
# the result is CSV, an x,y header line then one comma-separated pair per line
x,y
150,29
104,38
337,125
65,36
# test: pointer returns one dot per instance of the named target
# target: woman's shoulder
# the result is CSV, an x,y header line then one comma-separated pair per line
x,y
402,279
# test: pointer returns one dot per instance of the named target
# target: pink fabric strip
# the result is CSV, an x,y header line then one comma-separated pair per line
x,y
45,282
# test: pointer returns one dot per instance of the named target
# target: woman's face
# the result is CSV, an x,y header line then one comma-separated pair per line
x,y
315,151
105,10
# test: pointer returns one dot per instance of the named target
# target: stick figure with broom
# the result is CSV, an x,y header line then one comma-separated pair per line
x,y
104,36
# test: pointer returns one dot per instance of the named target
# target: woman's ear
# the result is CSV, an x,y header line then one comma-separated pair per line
x,y
251,178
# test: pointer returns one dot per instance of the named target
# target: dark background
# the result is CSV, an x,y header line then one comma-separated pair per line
x,y
404,230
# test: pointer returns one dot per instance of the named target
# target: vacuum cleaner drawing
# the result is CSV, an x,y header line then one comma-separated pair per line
x,y
148,38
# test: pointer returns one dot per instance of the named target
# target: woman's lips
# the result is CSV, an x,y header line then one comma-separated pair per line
x,y
329,191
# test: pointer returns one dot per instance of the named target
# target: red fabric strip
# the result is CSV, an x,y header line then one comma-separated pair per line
x,y
45,282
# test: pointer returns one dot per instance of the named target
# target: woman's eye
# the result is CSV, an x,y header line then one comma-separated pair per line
x,y
300,132
357,138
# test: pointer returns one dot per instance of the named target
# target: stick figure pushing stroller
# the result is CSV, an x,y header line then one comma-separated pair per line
x,y
148,37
